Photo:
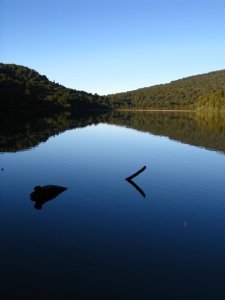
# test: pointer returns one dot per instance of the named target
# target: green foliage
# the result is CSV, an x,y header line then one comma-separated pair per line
x,y
189,93
21,87
214,101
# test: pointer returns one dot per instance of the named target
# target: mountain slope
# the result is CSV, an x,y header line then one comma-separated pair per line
x,y
21,87
24,88
195,92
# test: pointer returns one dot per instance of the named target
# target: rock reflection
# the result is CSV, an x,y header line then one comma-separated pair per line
x,y
41,195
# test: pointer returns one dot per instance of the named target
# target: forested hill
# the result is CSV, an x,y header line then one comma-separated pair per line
x,y
24,88
206,91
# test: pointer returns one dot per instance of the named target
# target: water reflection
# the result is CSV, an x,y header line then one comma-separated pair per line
x,y
24,130
43,194
204,130
136,187
130,180
21,131
98,236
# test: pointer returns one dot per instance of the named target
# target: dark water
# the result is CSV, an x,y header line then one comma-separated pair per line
x,y
100,238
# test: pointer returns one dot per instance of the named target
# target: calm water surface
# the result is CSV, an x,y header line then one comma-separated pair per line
x,y
101,239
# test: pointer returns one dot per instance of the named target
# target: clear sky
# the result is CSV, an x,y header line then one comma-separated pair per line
x,y
108,46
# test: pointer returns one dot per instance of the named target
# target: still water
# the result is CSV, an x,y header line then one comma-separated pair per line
x,y
102,238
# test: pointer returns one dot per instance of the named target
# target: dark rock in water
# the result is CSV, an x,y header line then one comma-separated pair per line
x,y
43,194
2,169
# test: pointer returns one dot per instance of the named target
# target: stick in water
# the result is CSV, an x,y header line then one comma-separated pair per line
x,y
136,174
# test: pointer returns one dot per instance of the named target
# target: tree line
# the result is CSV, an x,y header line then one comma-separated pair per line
x,y
24,88
201,92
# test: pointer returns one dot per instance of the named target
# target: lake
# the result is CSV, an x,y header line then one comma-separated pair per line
x,y
162,237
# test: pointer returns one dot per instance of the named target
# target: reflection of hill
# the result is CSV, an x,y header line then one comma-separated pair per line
x,y
23,131
202,130
20,131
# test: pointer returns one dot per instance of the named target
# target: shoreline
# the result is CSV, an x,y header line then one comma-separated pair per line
x,y
170,110
159,110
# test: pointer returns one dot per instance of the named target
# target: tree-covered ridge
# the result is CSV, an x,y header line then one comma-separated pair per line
x,y
21,87
193,92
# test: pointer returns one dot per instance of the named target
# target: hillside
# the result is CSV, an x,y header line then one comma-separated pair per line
x,y
206,91
24,88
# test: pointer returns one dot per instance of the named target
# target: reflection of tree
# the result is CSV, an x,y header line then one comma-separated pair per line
x,y
204,130
19,131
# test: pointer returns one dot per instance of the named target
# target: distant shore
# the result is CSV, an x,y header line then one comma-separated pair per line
x,y
169,110
159,110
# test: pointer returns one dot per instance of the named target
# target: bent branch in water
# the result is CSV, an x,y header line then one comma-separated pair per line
x,y
136,174
129,179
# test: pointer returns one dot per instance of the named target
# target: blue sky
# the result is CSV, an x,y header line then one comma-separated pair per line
x,y
108,46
